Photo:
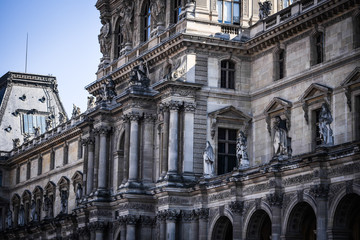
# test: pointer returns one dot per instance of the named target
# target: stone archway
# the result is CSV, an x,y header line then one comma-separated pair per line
x,y
259,227
301,223
346,223
223,229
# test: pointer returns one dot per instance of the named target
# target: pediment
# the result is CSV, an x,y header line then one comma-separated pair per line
x,y
15,198
230,113
38,190
315,91
277,105
78,176
26,195
353,79
64,181
50,186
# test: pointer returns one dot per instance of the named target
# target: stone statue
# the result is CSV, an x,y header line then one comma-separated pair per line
x,y
33,213
126,19
280,141
48,206
16,142
79,192
61,118
241,153
108,90
209,159
325,119
76,111
9,221
158,11
139,75
264,9
104,39
26,137
48,122
21,218
36,131
64,201
90,102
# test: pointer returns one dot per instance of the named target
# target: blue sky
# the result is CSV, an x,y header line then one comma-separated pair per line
x,y
63,42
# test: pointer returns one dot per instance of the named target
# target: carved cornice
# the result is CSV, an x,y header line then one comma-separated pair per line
x,y
320,190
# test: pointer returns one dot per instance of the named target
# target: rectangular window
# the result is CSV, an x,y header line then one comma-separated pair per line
x,y
17,175
52,160
227,74
66,154
40,160
228,11
281,65
28,170
287,3
31,121
176,11
226,150
317,128
319,48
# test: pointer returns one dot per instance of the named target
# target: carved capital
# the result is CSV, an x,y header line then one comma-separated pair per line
x,y
146,220
163,107
174,105
203,213
172,214
149,118
132,219
275,199
134,117
320,190
125,118
188,215
189,107
104,130
96,226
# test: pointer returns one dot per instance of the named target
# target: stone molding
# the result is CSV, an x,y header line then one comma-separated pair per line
x,y
237,207
320,190
275,199
98,226
174,105
189,107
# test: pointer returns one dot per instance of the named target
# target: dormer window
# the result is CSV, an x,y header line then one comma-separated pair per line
x,y
31,121
229,11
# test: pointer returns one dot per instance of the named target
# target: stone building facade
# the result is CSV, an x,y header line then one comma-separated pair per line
x,y
212,120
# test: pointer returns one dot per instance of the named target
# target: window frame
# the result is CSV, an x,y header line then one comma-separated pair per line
x,y
228,82
226,154
146,22
26,128
221,11
119,41
176,10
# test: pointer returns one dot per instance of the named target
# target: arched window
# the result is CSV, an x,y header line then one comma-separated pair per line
x,y
176,10
229,11
119,41
227,74
147,22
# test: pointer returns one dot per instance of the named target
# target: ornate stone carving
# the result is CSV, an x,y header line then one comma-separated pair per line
x,y
147,220
49,123
219,196
105,38
264,9
174,105
203,213
241,150
16,142
64,201
62,118
275,199
189,107
300,195
320,190
298,179
188,215
126,13
149,118
172,214
76,111
139,75
132,219
258,203
158,11
98,225
90,102
237,207
107,91
281,141
209,160
134,116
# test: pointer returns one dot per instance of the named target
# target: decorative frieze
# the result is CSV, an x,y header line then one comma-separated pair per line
x,y
320,190
237,207
275,199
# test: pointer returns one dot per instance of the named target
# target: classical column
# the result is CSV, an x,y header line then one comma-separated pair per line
x,y
161,217
126,120
90,169
173,137
165,148
187,227
131,221
148,147
134,148
203,222
171,217
321,192
275,200
237,208
146,223
103,131
188,165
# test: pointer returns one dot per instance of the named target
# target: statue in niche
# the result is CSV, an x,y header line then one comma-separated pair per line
x,y
281,141
64,201
21,218
79,192
241,153
126,19
325,119
61,118
36,131
158,11
264,9
76,111
16,142
48,123
104,38
48,206
33,213
209,158
90,102
139,75
9,221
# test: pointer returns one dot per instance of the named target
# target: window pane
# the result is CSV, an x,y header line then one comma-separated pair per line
x,y
221,165
232,148
26,126
223,79
231,65
219,9
227,12
236,16
31,126
221,147
231,80
232,134
223,64
231,163
221,133
42,124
